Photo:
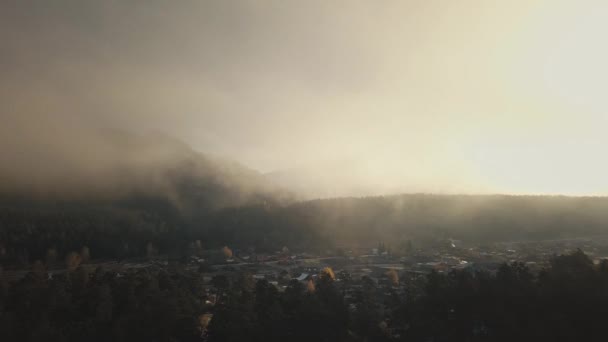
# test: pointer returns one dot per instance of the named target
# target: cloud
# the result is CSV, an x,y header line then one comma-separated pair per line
x,y
413,90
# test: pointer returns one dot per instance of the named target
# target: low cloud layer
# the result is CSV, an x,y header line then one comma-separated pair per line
x,y
459,96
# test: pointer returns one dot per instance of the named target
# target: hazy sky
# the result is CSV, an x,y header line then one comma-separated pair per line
x,y
450,96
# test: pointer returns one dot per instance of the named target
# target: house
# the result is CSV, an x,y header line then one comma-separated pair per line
x,y
303,277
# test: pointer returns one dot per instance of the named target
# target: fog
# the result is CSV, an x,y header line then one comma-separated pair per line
x,y
360,96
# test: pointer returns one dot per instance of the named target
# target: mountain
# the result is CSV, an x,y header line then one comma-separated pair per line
x,y
115,166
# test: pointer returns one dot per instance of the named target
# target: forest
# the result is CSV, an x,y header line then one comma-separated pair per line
x,y
50,230
567,301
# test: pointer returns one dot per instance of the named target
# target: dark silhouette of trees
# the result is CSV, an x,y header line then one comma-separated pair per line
x,y
567,301
62,298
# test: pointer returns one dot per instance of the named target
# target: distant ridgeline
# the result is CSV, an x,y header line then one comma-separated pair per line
x,y
129,226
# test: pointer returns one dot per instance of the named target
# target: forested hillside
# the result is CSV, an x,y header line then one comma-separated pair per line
x,y
131,226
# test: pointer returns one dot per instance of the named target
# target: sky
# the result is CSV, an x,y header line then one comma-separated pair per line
x,y
465,96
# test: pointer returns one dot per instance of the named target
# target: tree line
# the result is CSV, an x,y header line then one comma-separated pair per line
x,y
132,228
